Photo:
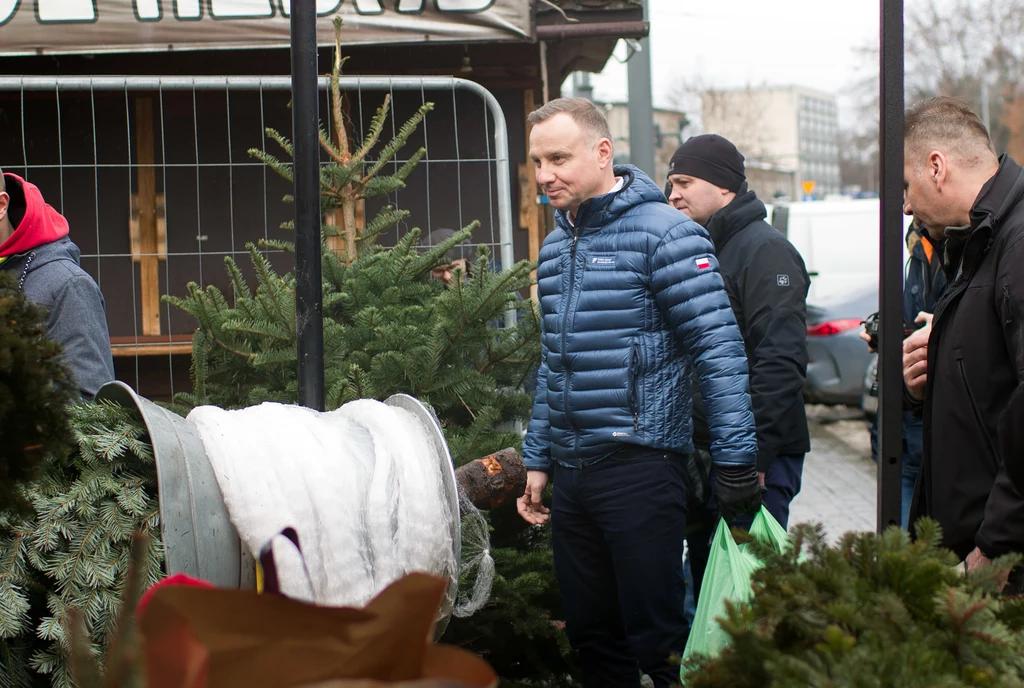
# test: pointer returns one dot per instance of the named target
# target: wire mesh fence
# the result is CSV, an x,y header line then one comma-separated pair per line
x,y
156,180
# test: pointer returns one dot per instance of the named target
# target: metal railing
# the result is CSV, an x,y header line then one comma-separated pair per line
x,y
89,141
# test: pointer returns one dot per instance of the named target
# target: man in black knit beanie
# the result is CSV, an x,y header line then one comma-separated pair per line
x,y
767,285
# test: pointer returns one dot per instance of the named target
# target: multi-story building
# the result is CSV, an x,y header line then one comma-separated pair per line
x,y
789,128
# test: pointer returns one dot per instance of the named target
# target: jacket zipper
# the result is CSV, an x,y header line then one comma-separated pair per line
x,y
565,326
634,371
977,416
24,272
955,289
953,293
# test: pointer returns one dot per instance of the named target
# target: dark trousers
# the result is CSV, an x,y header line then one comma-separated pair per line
x,y
782,483
617,532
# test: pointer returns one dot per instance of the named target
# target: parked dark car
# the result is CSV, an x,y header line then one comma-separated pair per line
x,y
837,358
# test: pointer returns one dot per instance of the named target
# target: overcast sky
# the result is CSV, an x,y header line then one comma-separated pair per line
x,y
738,42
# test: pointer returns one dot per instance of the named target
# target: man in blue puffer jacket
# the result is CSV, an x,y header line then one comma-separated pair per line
x,y
631,302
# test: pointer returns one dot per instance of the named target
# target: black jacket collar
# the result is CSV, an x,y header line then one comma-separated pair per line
x,y
999,195
965,246
744,210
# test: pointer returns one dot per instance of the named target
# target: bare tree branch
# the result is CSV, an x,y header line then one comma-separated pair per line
x,y
953,47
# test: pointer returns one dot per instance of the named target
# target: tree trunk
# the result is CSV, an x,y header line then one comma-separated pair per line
x,y
494,480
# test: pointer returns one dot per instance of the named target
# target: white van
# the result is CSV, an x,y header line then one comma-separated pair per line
x,y
838,241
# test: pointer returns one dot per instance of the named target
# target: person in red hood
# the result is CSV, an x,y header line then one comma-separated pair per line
x,y
36,250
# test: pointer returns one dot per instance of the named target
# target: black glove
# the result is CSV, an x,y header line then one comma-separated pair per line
x,y
739,491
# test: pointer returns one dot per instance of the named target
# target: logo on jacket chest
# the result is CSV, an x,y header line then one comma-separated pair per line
x,y
601,261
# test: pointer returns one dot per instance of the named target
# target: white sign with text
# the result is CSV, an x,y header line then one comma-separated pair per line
x,y
30,27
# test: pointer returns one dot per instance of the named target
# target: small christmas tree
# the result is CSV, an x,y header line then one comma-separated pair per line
x,y
352,177
874,610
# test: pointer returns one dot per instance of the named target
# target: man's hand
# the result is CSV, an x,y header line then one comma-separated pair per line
x,y
738,491
867,340
977,560
531,504
915,358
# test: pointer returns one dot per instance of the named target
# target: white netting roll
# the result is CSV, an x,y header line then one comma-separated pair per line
x,y
476,561
368,488
412,517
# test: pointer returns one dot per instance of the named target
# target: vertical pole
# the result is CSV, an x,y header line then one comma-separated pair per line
x,y
309,324
641,106
890,355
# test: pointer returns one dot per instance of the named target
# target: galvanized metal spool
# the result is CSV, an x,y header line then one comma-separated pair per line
x,y
198,537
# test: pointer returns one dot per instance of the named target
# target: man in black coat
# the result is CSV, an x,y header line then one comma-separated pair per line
x,y
963,370
767,285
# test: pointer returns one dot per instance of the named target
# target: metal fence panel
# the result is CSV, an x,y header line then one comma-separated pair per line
x,y
105,149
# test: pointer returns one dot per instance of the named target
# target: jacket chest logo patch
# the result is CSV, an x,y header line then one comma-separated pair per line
x,y
703,263
601,261
783,280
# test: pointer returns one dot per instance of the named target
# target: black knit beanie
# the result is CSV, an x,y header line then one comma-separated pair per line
x,y
711,158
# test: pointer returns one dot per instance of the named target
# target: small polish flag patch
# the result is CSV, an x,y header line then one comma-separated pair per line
x,y
703,263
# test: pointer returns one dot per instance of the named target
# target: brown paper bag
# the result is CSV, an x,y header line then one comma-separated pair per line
x,y
211,638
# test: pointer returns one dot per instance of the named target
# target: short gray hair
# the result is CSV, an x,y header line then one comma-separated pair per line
x,y
948,122
584,112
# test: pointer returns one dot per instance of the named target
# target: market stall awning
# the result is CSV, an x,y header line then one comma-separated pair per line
x,y
97,26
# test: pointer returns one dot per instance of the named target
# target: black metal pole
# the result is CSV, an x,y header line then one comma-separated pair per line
x,y
309,323
641,105
890,355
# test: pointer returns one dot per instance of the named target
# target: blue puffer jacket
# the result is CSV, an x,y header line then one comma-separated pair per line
x,y
628,298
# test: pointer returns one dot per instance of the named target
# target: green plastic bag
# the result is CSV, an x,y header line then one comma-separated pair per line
x,y
727,577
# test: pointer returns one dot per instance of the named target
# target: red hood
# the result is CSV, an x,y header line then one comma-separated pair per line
x,y
40,225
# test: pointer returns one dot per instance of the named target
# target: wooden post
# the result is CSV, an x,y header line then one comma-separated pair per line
x,y
494,480
529,213
149,261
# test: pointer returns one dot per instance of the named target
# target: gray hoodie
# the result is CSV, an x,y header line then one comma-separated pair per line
x,y
50,276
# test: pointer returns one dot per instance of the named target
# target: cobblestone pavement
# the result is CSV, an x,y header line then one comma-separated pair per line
x,y
839,480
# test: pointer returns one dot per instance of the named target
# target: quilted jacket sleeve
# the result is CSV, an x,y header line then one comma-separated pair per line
x,y
536,444
690,292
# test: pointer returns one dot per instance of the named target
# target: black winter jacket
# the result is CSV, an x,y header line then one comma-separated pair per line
x,y
767,284
975,364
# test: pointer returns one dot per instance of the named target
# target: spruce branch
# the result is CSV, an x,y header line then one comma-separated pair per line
x,y
374,132
393,146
